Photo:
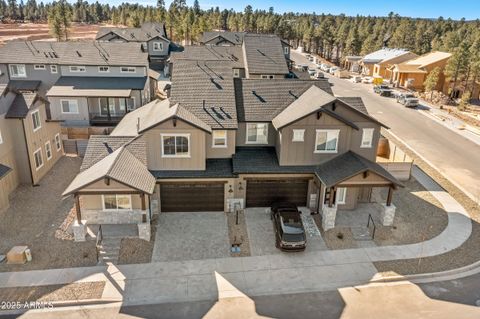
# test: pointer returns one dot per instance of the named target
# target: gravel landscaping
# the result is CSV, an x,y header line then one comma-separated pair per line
x,y
136,250
237,233
33,218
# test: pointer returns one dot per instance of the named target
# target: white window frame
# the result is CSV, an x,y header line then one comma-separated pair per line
x,y
224,138
257,141
343,199
18,75
58,142
1,137
286,50
75,102
48,148
175,135
160,48
236,73
116,202
53,68
39,67
367,138
267,76
336,132
106,69
38,151
36,113
128,69
296,138
77,68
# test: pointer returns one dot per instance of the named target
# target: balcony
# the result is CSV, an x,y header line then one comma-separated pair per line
x,y
106,119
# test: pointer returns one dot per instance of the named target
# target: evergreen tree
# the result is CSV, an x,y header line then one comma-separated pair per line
x,y
431,80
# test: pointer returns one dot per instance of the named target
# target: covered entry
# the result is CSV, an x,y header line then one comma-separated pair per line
x,y
264,192
192,197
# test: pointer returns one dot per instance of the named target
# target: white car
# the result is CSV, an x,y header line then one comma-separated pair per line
x,y
312,72
332,70
367,80
356,79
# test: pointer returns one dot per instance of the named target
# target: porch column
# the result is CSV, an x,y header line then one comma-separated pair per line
x,y
79,227
144,230
388,209
329,213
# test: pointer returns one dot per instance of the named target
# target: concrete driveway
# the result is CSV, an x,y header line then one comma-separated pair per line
x,y
189,236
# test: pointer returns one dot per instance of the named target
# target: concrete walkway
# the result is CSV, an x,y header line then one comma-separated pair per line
x,y
259,275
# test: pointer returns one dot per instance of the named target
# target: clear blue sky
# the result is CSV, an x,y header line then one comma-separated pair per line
x,y
455,9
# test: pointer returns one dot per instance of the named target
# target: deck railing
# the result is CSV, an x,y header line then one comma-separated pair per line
x,y
370,221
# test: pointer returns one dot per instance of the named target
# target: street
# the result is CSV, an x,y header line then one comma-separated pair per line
x,y
456,157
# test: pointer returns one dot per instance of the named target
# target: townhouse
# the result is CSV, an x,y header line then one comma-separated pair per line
x,y
227,139
377,63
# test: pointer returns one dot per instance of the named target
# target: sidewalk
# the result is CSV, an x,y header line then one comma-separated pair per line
x,y
254,276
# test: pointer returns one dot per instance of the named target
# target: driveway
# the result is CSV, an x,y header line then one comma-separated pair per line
x,y
189,236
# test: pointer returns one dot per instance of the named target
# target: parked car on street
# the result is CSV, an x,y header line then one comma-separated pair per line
x,y
289,230
332,70
367,80
383,90
356,79
319,75
311,71
407,99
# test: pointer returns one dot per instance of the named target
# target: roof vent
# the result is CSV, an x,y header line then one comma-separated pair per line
x,y
109,149
78,53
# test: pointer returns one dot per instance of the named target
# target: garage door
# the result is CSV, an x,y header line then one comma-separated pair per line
x,y
263,193
192,197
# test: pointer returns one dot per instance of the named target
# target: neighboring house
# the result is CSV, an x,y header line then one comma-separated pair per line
x,y
352,63
382,69
86,82
222,38
412,74
374,64
30,143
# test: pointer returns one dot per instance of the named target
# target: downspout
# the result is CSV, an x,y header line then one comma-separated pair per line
x,y
28,152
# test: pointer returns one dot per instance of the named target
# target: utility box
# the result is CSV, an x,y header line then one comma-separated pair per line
x,y
16,255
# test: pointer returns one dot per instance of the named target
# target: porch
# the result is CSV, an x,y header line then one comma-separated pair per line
x,y
109,110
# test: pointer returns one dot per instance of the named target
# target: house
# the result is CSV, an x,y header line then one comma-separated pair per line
x,y
222,38
30,143
352,63
376,63
222,142
86,83
411,74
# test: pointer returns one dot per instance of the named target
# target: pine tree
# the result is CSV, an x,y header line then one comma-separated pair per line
x,y
55,23
431,80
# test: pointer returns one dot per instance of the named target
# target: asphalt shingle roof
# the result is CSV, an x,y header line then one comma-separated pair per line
x,y
96,86
383,54
146,32
23,85
264,54
20,106
215,168
4,170
231,54
354,101
233,37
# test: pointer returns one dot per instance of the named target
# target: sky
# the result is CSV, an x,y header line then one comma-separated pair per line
x,y
455,9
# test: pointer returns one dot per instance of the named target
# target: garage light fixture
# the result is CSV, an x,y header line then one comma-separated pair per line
x,y
230,190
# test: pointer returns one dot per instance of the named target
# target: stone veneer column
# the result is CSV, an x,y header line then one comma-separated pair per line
x,y
387,214
144,231
79,230
328,217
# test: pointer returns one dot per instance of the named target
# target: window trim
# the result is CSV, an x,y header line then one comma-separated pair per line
x,y
69,100
267,76
187,135
298,130
157,42
39,120
49,148
343,200
81,68
39,150
128,69
103,66
236,73
225,138
1,137
23,75
256,142
363,137
58,144
39,67
286,50
337,131
53,66
116,203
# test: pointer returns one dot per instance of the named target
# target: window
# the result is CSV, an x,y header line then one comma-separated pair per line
x,y
76,68
69,106
175,145
236,73
341,195
38,159
117,202
130,103
298,135
128,69
18,70
53,69
1,138
48,150
268,76
257,133
157,46
39,66
367,137
36,120
219,138
286,50
326,141
103,69
58,144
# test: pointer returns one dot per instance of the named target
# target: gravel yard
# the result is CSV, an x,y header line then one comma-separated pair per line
x,y
35,214
238,234
136,250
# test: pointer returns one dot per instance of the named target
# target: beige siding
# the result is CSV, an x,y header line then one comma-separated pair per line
x,y
56,110
372,178
196,160
224,152
15,127
242,135
7,157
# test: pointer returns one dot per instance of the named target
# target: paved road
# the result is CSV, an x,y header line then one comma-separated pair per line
x,y
455,156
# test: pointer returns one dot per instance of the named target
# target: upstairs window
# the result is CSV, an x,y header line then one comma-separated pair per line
x,y
157,46
36,120
103,69
69,106
326,141
176,145
286,50
18,70
236,73
298,135
219,138
39,66
257,133
128,69
58,144
76,69
48,150
53,69
367,138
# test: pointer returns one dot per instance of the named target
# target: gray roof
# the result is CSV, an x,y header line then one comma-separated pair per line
x,y
215,168
23,85
230,54
154,113
264,54
121,166
73,53
147,32
233,37
205,88
96,86
4,170
383,54
21,105
262,100
356,102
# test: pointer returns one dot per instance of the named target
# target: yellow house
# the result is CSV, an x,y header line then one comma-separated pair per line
x,y
375,63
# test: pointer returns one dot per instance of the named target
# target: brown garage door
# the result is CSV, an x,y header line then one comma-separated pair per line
x,y
192,197
263,193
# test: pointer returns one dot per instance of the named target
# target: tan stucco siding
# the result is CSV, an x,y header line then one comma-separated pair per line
x,y
242,135
221,152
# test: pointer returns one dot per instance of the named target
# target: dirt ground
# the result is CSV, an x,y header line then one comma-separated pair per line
x,y
35,214
136,250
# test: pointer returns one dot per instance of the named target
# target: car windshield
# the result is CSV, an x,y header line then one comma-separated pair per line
x,y
293,237
410,96
291,224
